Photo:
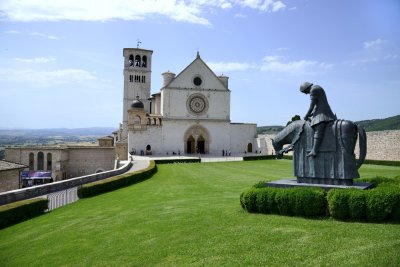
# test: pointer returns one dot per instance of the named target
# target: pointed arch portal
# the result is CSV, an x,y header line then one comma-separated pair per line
x,y
197,140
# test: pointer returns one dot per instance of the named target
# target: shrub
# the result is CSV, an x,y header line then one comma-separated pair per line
x,y
261,157
337,203
172,161
382,162
379,204
248,200
300,201
22,210
357,204
266,200
113,183
382,204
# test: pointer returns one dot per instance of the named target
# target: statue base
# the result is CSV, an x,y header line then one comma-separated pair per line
x,y
328,181
287,183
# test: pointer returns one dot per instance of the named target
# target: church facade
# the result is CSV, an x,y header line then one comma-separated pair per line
x,y
189,116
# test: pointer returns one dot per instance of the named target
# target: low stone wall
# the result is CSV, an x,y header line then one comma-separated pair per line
x,y
381,145
41,190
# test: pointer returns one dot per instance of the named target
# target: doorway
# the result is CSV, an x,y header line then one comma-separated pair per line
x,y
201,144
190,145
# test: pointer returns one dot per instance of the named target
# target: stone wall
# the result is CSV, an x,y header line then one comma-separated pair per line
x,y
9,180
381,145
41,190
88,160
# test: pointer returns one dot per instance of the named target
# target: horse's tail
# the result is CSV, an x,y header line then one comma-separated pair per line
x,y
363,146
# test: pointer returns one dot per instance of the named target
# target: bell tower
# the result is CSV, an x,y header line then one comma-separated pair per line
x,y
137,79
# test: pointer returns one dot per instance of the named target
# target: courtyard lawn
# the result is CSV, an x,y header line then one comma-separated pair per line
x,y
189,214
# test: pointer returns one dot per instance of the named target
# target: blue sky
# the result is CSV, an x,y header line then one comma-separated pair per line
x,y
61,61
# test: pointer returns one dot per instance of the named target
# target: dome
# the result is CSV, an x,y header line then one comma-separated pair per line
x,y
137,103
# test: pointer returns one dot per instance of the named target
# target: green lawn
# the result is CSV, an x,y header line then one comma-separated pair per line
x,y
189,214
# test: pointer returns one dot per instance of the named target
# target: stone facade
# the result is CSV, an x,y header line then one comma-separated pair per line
x,y
64,162
190,115
9,175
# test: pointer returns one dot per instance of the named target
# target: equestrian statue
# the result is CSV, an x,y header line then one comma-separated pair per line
x,y
323,146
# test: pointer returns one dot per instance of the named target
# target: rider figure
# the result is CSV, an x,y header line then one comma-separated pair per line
x,y
319,112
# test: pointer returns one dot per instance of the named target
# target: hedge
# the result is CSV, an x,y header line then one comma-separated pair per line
x,y
375,205
379,204
290,157
113,183
382,162
265,157
171,161
22,210
297,201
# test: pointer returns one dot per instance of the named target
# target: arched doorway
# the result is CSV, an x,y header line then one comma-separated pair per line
x,y
190,145
249,148
201,142
197,140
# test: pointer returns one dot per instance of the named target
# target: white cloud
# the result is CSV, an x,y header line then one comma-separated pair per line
x,y
36,60
264,6
52,37
44,78
12,32
191,11
39,34
229,66
277,64
240,16
376,51
374,44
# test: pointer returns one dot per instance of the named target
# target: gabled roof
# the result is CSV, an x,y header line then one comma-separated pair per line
x,y
197,59
7,165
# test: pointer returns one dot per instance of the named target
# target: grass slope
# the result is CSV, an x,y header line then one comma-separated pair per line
x,y
189,214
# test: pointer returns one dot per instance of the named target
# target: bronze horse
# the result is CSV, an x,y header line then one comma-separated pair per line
x,y
335,163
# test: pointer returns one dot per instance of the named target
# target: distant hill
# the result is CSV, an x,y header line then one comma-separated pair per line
x,y
391,123
93,131
269,129
40,137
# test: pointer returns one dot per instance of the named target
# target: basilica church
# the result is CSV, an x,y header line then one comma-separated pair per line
x,y
190,115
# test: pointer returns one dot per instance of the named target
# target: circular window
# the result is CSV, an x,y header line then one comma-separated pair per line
x,y
197,81
197,104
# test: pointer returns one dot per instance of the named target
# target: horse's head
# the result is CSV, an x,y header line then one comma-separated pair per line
x,y
278,149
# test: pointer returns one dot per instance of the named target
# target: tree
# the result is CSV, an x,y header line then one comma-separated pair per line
x,y
294,118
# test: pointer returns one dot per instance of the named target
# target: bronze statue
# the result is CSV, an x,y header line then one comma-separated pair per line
x,y
323,147
319,112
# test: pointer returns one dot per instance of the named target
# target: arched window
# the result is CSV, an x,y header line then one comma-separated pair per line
x,y
40,161
49,161
130,60
144,62
138,61
148,147
249,147
31,161
143,79
137,121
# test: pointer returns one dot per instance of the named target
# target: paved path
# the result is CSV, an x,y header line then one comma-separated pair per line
x,y
139,163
